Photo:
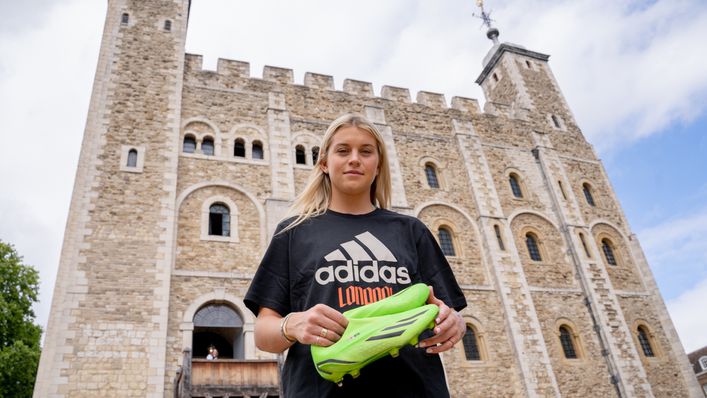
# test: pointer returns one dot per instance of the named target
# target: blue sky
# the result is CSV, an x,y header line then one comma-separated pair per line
x,y
632,72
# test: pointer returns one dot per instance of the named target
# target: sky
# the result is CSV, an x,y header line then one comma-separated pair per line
x,y
631,71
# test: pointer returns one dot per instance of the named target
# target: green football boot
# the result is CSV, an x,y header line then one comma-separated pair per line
x,y
411,297
368,339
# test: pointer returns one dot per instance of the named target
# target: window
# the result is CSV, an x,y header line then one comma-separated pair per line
x,y
124,18
588,194
555,121
703,363
567,342
220,326
644,340
207,146
445,242
471,345
584,245
168,25
515,186
533,250
431,174
315,154
219,220
499,238
606,246
132,158
257,150
189,145
299,155
527,63
239,148
495,77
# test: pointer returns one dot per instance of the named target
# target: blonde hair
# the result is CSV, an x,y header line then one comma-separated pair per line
x,y
316,196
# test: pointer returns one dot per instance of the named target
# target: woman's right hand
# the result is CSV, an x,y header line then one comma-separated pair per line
x,y
320,325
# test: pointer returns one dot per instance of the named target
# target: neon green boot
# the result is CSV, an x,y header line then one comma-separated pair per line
x,y
411,297
368,339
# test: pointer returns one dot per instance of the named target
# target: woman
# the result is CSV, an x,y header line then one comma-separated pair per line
x,y
342,249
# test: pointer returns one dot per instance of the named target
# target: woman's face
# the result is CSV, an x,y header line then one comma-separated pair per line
x,y
351,162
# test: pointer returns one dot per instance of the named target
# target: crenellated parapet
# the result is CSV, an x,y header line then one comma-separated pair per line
x,y
231,73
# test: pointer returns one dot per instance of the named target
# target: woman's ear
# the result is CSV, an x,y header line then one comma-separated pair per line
x,y
323,166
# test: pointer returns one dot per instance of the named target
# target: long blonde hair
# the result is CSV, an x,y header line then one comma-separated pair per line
x,y
316,196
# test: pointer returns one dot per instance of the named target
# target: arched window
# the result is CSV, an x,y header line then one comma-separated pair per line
x,y
515,185
606,247
207,146
220,326
239,148
531,242
499,238
124,18
189,145
132,158
257,150
168,25
644,340
445,242
299,155
219,220
431,174
471,344
315,155
555,121
588,194
567,342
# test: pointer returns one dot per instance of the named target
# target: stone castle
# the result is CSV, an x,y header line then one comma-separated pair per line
x,y
184,174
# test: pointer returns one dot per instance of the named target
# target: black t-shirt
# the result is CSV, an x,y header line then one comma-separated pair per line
x,y
346,261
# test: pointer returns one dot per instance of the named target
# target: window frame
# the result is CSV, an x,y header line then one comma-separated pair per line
x,y
139,161
206,214
451,236
588,195
536,241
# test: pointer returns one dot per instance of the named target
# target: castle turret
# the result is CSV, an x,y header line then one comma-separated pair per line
x,y
109,309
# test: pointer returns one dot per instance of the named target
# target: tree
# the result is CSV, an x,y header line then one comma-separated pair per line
x,y
19,336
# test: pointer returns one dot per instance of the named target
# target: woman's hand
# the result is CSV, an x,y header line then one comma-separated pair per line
x,y
449,327
320,325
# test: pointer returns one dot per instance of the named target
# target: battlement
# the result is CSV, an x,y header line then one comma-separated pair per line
x,y
230,72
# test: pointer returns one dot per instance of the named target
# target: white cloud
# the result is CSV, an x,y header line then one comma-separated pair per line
x,y
628,69
689,317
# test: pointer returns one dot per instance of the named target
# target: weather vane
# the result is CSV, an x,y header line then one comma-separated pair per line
x,y
491,33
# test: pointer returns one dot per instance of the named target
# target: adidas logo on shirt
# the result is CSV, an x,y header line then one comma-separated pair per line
x,y
366,259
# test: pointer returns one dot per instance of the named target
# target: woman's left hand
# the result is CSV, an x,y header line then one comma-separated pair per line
x,y
449,327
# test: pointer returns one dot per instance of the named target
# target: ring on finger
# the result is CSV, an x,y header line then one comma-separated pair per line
x,y
325,331
317,341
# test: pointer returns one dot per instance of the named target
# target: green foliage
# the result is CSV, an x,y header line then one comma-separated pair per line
x,y
19,336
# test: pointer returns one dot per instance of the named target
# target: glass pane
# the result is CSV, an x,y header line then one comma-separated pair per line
x,y
431,177
445,242
567,343
645,343
132,158
515,187
189,145
207,147
257,151
533,249
217,315
471,346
